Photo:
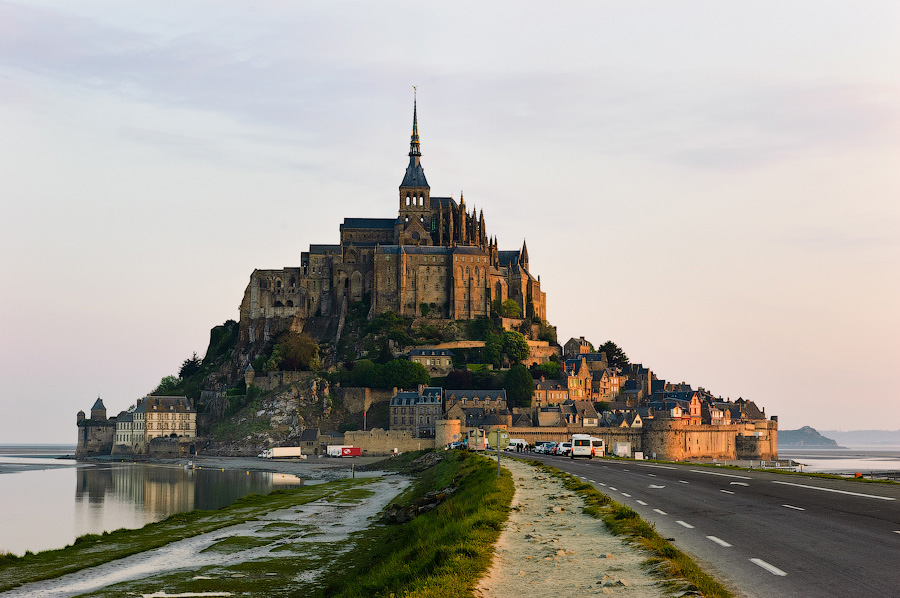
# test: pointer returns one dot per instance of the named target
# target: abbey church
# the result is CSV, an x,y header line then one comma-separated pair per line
x,y
434,258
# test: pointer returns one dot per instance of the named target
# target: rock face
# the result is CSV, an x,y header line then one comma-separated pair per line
x,y
805,436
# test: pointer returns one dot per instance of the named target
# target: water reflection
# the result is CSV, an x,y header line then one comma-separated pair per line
x,y
37,513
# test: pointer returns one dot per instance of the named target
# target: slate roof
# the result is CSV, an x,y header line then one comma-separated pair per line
x,y
404,398
98,404
476,394
322,249
507,258
468,250
446,202
414,176
369,223
309,435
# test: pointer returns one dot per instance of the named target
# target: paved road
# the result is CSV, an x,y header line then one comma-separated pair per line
x,y
763,534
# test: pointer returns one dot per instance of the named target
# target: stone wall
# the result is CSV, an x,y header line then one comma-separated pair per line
x,y
359,399
95,438
383,442
172,448
272,380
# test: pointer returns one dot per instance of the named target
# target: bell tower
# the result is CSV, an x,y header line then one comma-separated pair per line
x,y
415,194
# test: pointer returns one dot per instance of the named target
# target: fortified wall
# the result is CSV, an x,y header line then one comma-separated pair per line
x,y
383,442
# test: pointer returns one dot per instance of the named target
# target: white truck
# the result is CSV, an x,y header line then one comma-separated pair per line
x,y
585,445
283,452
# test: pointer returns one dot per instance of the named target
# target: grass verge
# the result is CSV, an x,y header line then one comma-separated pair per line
x,y
667,561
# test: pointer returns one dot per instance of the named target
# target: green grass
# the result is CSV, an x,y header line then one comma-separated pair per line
x,y
665,560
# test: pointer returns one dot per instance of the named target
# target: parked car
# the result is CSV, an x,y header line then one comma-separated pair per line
x,y
541,446
549,448
564,449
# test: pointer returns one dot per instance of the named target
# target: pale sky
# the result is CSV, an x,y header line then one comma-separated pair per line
x,y
714,186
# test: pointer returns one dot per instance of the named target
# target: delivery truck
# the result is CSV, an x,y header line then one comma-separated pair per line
x,y
283,452
343,450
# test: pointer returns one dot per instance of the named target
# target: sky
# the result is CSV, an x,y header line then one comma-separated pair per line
x,y
713,186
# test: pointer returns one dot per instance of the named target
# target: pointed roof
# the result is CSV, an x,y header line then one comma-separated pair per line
x,y
415,175
524,254
98,405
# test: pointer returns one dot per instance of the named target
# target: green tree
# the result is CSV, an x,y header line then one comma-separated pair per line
x,y
297,351
167,385
400,373
510,309
515,346
519,386
549,370
363,373
460,379
423,307
601,406
190,366
493,347
615,356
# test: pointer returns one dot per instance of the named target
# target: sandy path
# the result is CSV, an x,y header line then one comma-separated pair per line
x,y
550,548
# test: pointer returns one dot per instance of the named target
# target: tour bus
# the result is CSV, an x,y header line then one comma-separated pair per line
x,y
585,445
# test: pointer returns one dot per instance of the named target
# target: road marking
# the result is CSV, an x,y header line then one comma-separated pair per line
x,y
656,466
628,495
719,541
726,491
626,470
770,568
836,491
683,524
657,486
683,482
724,475
582,477
660,512
739,483
611,488
800,509
640,502
592,481
897,531
652,474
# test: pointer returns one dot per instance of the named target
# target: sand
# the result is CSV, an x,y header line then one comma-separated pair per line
x,y
550,548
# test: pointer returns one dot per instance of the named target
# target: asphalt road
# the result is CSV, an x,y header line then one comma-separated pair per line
x,y
762,534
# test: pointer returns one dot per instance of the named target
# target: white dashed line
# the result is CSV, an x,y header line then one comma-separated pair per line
x,y
602,484
656,466
626,470
726,491
836,491
800,509
724,475
611,488
684,524
684,482
739,483
897,531
640,502
582,477
592,481
719,541
770,568
652,474
655,486
625,494
660,512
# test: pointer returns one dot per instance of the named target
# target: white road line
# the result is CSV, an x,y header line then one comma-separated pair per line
x,y
836,491
626,470
897,531
683,524
724,475
660,512
726,491
684,482
592,481
582,477
656,486
652,474
656,466
800,509
770,568
602,484
625,494
640,502
719,541
739,483
611,488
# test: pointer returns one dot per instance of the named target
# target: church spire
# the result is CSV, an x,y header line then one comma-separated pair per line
x,y
414,138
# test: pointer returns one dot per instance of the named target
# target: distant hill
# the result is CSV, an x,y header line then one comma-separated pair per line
x,y
805,436
886,438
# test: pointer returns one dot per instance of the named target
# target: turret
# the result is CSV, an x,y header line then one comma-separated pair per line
x,y
98,411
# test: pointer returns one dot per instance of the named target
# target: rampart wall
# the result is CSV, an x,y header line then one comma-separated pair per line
x,y
383,442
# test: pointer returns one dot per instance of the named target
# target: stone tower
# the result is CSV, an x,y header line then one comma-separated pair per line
x,y
98,411
415,221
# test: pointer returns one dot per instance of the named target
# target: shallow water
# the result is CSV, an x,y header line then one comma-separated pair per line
x,y
844,460
47,503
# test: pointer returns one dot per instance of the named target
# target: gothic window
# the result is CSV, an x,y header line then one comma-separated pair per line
x,y
407,200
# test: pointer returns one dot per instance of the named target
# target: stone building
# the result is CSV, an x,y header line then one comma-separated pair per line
x,y
95,435
417,411
434,257
438,362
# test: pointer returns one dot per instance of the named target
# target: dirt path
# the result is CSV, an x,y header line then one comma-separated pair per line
x,y
550,548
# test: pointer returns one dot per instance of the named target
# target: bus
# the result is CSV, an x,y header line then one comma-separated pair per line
x,y
585,445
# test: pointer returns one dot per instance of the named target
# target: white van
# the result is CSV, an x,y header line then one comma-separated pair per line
x,y
516,444
585,445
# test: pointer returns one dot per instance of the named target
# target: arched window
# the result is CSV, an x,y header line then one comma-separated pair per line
x,y
407,200
278,283
290,303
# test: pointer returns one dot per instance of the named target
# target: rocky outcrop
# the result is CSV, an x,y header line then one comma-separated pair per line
x,y
805,436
